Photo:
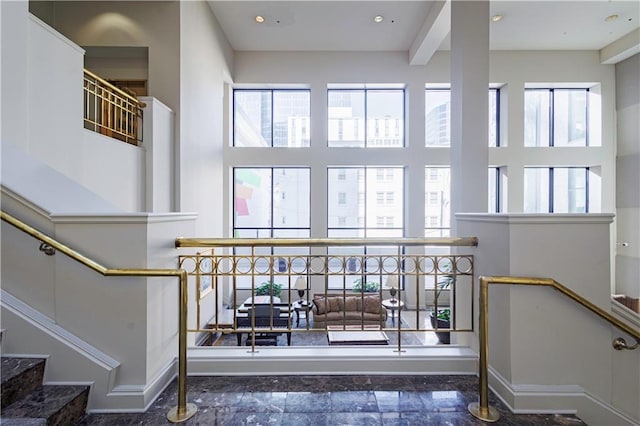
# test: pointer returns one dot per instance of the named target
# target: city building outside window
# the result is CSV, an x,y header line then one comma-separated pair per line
x,y
437,207
260,211
365,118
438,117
271,118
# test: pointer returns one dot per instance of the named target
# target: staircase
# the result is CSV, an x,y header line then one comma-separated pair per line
x,y
26,401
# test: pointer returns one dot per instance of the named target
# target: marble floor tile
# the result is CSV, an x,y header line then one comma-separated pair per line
x,y
329,401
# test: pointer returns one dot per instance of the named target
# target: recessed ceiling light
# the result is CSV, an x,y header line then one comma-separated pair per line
x,y
611,18
496,18
378,19
259,19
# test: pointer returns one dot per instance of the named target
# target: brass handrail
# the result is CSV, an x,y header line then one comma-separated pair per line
x,y
482,410
113,88
323,242
182,411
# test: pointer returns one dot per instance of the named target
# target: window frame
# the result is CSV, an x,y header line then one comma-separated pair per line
x,y
271,91
366,118
552,115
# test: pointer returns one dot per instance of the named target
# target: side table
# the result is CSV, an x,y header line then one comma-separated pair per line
x,y
393,306
302,309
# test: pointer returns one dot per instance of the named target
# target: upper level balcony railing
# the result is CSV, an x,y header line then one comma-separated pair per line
x,y
111,111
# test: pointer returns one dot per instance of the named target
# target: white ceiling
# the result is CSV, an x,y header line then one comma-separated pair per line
x,y
330,25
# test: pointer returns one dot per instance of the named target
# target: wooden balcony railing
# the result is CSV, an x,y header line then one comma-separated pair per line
x,y
111,111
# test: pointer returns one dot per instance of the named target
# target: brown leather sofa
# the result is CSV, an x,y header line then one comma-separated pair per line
x,y
349,309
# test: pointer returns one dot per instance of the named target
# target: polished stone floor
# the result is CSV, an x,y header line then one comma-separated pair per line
x,y
328,400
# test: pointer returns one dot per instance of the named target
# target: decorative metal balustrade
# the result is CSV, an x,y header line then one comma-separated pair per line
x,y
111,111
408,281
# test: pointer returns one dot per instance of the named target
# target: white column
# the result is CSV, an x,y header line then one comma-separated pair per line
x,y
469,107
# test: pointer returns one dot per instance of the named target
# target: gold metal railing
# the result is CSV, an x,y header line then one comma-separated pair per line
x,y
482,410
331,266
183,410
111,111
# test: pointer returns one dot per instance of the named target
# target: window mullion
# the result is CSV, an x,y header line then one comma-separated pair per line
x,y
551,190
586,189
551,117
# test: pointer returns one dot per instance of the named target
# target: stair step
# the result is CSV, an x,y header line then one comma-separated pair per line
x,y
19,377
56,404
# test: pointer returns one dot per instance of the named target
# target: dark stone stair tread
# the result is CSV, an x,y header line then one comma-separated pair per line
x,y
19,377
12,367
22,421
47,401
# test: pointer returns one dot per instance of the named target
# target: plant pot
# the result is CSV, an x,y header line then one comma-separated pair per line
x,y
443,336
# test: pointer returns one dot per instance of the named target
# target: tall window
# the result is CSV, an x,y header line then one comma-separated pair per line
x,y
494,117
271,118
271,202
495,190
437,208
438,117
557,189
366,118
556,117
369,216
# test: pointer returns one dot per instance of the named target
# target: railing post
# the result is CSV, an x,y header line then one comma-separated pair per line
x,y
183,411
483,410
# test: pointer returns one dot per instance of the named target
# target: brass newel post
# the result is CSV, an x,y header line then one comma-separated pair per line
x,y
183,411
483,410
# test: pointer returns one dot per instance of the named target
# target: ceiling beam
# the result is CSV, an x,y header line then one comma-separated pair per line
x,y
434,30
621,49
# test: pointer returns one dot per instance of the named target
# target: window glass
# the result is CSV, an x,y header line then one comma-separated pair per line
x,y
437,117
536,190
494,99
569,190
271,118
377,210
365,118
557,189
555,117
437,201
536,117
269,199
570,118
494,189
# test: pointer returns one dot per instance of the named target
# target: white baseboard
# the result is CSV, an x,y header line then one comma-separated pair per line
x,y
560,399
331,360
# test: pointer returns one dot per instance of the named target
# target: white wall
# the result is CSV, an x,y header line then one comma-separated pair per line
x,y
55,96
158,143
50,129
536,335
628,177
202,79
114,169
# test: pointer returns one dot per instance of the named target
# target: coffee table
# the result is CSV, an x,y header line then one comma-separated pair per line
x,y
355,335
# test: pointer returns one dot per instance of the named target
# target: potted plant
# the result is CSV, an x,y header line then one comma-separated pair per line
x,y
268,288
360,286
442,317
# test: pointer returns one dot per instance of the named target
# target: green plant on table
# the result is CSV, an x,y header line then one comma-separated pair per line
x,y
268,288
360,286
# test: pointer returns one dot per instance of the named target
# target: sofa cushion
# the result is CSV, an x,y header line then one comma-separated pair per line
x,y
321,305
349,303
371,304
325,304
